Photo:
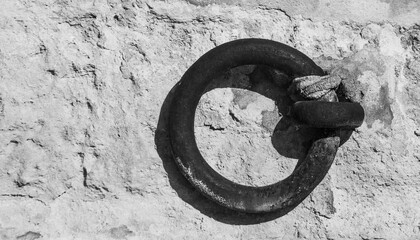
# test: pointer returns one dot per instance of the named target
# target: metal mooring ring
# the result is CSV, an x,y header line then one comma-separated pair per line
x,y
281,196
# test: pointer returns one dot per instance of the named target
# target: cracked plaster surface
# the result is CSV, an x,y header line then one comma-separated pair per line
x,y
84,87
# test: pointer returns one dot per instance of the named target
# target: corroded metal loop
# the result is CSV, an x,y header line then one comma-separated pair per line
x,y
326,112
313,87
329,114
282,196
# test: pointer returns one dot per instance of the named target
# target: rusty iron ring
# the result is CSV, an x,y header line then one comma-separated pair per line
x,y
281,196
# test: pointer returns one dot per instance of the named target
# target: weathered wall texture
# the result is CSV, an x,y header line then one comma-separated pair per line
x,y
84,93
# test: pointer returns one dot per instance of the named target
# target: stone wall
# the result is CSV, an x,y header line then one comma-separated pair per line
x,y
84,96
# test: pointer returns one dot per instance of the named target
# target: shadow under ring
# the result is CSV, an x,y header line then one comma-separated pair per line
x,y
282,196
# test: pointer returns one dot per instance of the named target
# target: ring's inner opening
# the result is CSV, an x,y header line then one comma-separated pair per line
x,y
242,130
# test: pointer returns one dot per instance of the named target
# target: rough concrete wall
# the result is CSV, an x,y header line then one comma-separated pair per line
x,y
84,93
404,12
